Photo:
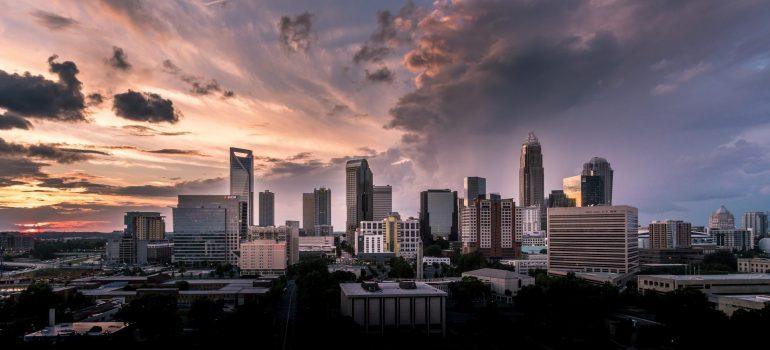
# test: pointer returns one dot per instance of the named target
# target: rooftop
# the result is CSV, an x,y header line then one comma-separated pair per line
x,y
78,328
391,289
727,277
493,273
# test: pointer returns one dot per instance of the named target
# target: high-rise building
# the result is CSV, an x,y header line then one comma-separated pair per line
x,y
572,186
756,221
559,199
593,239
733,239
531,172
242,178
288,234
529,221
489,228
438,214
208,228
722,219
390,235
144,226
601,167
323,211
591,190
670,234
359,194
308,213
264,257
474,187
383,202
266,208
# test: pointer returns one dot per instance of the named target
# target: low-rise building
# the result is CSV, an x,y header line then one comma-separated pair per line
x,y
523,266
731,303
714,284
62,331
322,244
263,257
501,282
671,256
378,307
430,260
754,265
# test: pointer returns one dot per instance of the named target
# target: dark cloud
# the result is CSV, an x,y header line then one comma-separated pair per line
x,y
198,85
341,109
34,96
95,99
88,186
119,60
145,106
173,151
141,130
52,20
368,53
135,13
392,31
380,75
12,121
52,152
296,33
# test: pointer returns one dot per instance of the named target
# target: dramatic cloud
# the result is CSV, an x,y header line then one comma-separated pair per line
x,y
145,106
95,99
36,97
173,151
85,185
12,121
392,31
119,60
14,169
52,20
296,34
135,13
381,75
141,130
198,85
53,152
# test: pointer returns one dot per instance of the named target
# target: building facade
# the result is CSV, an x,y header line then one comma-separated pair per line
x,y
144,226
572,189
756,221
438,214
288,234
474,187
721,219
266,208
591,190
593,239
242,178
383,202
735,239
308,213
263,257
531,173
391,235
559,199
754,265
359,194
208,228
489,228
322,208
670,234
529,221
601,167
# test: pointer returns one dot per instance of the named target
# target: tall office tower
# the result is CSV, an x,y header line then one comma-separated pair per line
x,y
670,234
559,199
144,226
489,228
593,239
722,219
308,213
591,190
756,221
323,211
383,202
208,228
266,208
242,177
601,167
359,194
438,214
529,221
531,172
572,186
474,187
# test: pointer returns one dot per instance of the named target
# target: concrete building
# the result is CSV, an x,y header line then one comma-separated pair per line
x,y
754,265
731,303
263,257
572,189
391,235
144,226
438,214
379,307
59,333
285,234
559,199
359,194
710,284
308,213
208,228
242,179
489,227
529,221
322,244
670,234
383,202
756,221
601,167
266,208
734,239
501,282
430,260
160,252
534,240
721,219
322,210
523,266
474,187
598,239
531,173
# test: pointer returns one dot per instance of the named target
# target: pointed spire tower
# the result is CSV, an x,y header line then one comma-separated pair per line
x,y
531,172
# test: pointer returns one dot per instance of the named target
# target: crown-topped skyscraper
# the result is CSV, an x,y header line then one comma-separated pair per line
x,y
531,172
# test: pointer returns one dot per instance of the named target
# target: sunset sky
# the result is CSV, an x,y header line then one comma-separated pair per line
x,y
112,106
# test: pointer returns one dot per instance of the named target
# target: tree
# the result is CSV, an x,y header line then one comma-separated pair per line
x,y
471,261
155,315
432,250
34,303
721,261
204,313
400,268
468,291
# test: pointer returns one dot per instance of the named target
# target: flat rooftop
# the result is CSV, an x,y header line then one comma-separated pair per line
x,y
727,277
390,289
78,328
493,273
756,298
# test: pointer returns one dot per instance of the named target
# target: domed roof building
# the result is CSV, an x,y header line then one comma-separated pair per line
x,y
722,219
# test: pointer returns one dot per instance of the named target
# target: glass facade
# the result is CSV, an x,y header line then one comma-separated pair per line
x,y
242,178
438,214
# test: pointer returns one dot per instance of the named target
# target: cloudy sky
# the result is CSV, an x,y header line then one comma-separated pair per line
x,y
109,106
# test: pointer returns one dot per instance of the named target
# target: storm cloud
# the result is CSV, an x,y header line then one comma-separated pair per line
x,y
380,75
145,106
12,121
295,34
119,60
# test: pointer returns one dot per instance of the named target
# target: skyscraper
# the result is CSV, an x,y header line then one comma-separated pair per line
x,y
323,206
591,190
266,208
756,221
242,178
601,167
559,199
489,228
670,234
572,187
308,213
531,183
438,214
359,194
474,187
208,228
593,239
722,219
383,202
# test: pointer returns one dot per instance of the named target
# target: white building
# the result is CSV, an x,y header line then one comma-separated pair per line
x,y
263,257
758,283
529,221
323,244
501,282
430,260
734,239
523,266
534,239
390,235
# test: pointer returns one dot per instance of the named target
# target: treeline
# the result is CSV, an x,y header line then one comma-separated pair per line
x,y
46,249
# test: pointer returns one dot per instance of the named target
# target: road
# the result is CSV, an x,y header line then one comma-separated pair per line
x,y
288,313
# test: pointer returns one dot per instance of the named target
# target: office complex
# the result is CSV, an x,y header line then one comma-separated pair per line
x,y
383,202
474,187
266,208
242,178
722,219
593,239
670,234
208,228
591,190
531,181
264,257
734,239
756,221
489,228
359,194
144,226
572,189
559,199
438,214
308,213
390,235
601,167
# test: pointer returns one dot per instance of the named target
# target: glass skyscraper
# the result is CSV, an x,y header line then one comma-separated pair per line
x,y
359,194
208,228
266,208
531,172
242,177
438,214
383,202
474,187
601,167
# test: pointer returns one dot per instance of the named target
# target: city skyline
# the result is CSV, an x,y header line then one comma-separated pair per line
x,y
305,98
